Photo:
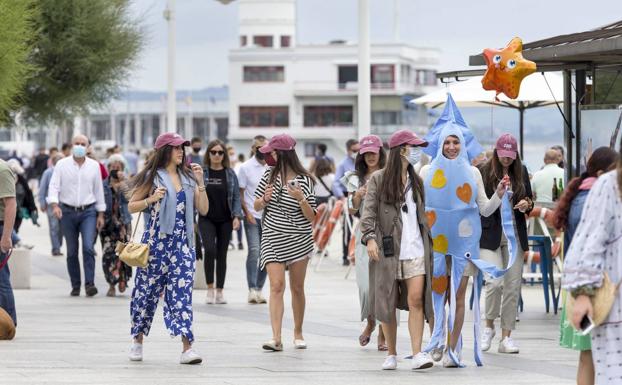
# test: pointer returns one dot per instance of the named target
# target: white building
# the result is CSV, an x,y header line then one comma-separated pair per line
x,y
310,91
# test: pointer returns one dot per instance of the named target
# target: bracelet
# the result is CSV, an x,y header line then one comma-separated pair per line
x,y
263,198
201,188
146,203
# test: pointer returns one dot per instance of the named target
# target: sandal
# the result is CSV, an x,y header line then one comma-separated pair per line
x,y
364,340
273,346
382,347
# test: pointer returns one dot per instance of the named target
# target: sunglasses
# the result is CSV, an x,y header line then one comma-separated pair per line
x,y
221,153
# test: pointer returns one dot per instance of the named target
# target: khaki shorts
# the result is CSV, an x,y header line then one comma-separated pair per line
x,y
410,268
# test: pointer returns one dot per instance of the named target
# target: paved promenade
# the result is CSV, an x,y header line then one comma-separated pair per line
x,y
65,340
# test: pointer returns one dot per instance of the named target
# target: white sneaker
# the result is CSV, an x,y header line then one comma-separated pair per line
x,y
252,296
136,352
449,363
260,298
390,363
190,357
210,296
421,360
437,354
507,345
220,298
487,336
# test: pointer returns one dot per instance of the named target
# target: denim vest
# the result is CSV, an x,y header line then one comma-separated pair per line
x,y
233,191
168,204
126,217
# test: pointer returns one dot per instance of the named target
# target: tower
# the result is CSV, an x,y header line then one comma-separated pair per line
x,y
267,23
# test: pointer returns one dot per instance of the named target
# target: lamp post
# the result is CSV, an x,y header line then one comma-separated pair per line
x,y
169,15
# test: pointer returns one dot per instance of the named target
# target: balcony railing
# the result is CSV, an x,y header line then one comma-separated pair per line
x,y
350,88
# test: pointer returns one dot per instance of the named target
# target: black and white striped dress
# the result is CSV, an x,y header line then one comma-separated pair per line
x,y
286,235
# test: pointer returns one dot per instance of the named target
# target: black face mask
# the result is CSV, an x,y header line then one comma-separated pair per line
x,y
259,155
196,149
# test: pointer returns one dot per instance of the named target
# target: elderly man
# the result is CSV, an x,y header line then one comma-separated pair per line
x,y
76,195
8,210
542,181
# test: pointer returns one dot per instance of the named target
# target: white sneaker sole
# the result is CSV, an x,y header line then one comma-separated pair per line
x,y
135,359
192,362
426,365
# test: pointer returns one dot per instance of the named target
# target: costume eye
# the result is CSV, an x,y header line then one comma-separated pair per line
x,y
511,63
467,255
496,59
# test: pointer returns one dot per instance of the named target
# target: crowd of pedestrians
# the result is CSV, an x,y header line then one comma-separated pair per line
x,y
198,201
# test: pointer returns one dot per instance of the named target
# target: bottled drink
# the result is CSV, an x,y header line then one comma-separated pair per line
x,y
555,191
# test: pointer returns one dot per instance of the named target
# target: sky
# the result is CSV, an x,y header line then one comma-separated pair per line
x,y
206,30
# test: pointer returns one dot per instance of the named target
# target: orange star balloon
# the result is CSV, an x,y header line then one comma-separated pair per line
x,y
506,69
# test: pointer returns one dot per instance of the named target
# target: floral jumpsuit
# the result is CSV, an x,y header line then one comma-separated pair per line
x,y
171,269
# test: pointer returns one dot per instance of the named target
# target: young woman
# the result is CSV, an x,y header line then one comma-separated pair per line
x,y
567,218
595,249
371,158
171,191
455,199
502,293
396,235
223,191
325,177
285,194
118,224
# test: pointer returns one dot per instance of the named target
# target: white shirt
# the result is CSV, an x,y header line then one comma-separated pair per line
x,y
411,245
486,206
542,182
249,175
320,190
76,185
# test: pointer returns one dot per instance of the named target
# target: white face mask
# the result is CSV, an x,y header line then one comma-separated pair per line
x,y
414,155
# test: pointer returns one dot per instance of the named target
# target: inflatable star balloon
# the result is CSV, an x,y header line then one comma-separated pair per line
x,y
506,69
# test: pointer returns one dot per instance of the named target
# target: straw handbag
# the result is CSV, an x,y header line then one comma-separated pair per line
x,y
132,253
602,301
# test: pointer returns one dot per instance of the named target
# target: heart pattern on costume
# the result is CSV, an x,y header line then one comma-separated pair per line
x,y
465,193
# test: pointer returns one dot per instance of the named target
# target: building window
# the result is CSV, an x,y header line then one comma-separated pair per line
x,y
328,116
274,116
264,73
425,78
382,75
286,41
386,118
311,149
263,41
243,41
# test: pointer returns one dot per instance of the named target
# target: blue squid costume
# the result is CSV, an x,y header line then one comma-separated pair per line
x,y
453,214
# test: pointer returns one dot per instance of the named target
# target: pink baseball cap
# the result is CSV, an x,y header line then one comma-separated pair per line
x,y
506,146
406,137
370,143
281,142
170,139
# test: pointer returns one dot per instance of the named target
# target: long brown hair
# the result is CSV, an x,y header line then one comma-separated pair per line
x,y
323,166
392,188
602,159
492,173
225,160
287,160
143,181
361,168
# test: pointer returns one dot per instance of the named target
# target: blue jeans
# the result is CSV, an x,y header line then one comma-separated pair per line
x,y
55,234
75,223
254,276
7,301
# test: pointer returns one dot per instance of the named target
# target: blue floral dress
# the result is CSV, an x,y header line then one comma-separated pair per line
x,y
171,269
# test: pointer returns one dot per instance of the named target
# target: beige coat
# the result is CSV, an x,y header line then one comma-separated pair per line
x,y
386,293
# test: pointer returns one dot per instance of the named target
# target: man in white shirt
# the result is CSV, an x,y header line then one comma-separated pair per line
x,y
76,195
249,176
542,181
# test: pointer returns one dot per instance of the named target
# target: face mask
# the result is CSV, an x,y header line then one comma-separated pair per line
x,y
270,161
79,151
414,155
260,155
354,155
196,149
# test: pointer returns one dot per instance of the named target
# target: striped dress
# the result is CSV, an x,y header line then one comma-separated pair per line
x,y
286,234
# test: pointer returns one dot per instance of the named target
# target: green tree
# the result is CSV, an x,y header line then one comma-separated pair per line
x,y
16,34
84,51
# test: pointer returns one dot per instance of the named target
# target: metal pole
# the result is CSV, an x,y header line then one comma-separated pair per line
x,y
169,15
579,100
521,129
568,122
364,72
